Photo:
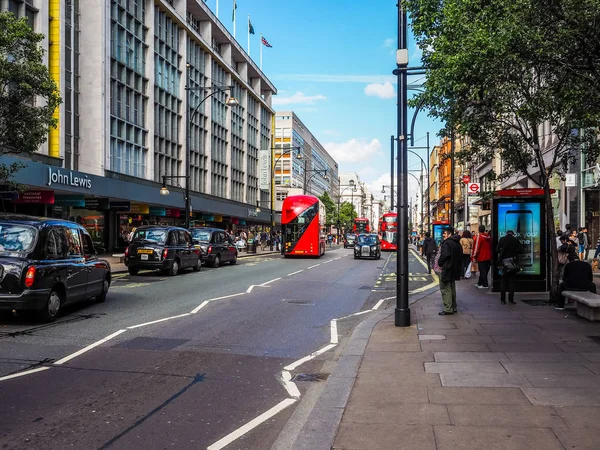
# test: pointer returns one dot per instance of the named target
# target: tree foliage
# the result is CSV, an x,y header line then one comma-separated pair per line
x,y
347,213
28,94
503,73
330,207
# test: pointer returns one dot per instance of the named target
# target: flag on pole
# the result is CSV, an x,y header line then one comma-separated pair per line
x,y
265,42
233,12
250,27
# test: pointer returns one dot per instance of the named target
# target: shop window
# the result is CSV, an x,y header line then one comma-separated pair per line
x,y
73,242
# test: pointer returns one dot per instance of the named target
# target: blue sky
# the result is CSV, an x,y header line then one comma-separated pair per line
x,y
331,62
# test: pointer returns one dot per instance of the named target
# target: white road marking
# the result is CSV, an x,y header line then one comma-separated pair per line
x,y
362,312
269,282
378,304
334,333
89,347
327,262
309,357
26,372
294,273
157,321
252,424
424,288
250,289
198,308
312,267
289,385
204,303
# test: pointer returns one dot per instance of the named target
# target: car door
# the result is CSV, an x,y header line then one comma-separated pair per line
x,y
185,241
175,247
77,273
96,272
231,249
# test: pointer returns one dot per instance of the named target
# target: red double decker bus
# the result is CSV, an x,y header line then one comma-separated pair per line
x,y
388,231
303,223
361,225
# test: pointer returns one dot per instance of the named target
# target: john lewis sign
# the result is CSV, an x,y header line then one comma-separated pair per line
x,y
67,178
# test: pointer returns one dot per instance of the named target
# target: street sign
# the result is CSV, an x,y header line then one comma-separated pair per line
x,y
466,179
570,179
473,188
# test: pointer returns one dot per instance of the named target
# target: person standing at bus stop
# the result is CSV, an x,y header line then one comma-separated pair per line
x,y
482,254
450,261
428,250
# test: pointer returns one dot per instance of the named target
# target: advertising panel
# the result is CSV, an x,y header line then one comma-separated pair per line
x,y
438,230
524,219
264,169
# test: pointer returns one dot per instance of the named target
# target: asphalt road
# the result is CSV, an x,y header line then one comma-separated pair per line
x,y
196,378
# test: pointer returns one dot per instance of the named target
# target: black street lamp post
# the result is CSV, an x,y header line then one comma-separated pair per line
x,y
314,172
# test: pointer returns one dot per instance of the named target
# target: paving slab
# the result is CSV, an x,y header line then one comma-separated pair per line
x,y
494,438
489,380
593,357
565,396
518,416
453,347
457,332
361,436
464,367
519,339
545,357
594,367
432,337
580,416
470,339
392,347
477,396
469,356
517,347
547,367
394,413
407,379
372,392
377,363
579,439
554,380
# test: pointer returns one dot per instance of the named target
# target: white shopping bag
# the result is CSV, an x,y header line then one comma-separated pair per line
x,y
468,272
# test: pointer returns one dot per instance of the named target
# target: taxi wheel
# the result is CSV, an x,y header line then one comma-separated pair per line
x,y
233,262
105,286
133,271
52,307
174,270
198,266
217,262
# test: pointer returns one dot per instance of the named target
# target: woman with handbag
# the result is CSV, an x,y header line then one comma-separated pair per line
x,y
466,242
509,247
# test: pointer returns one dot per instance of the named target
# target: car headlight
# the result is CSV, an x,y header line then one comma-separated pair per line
x,y
373,247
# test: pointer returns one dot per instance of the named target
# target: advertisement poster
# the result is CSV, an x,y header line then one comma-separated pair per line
x,y
438,230
525,220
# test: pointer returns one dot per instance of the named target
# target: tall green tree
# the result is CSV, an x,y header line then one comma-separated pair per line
x,y
330,207
491,76
347,213
28,94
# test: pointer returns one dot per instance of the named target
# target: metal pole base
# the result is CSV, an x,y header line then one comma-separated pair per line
x,y
402,317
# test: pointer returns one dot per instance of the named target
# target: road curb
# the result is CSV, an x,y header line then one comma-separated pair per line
x,y
321,428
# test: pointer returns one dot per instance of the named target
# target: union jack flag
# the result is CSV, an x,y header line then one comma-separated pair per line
x,y
266,43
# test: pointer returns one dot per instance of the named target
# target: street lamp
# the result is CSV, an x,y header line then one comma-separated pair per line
x,y
314,172
231,101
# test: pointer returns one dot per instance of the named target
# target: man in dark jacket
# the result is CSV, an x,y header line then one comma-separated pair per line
x,y
509,248
451,263
428,249
482,254
578,276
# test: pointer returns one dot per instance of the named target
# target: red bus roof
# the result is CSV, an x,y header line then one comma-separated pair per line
x,y
362,219
294,205
390,214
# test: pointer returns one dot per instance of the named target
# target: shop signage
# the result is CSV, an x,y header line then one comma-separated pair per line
x,y
173,213
252,213
264,169
139,208
9,195
68,178
466,179
158,211
70,200
97,204
218,218
208,218
42,197
120,206
525,192
473,188
570,179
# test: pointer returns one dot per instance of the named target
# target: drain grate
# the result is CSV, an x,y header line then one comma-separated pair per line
x,y
534,302
311,377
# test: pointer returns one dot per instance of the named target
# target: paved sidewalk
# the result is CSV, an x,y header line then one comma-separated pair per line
x,y
490,377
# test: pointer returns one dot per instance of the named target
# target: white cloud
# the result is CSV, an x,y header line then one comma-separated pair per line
x,y
332,132
389,43
385,90
376,184
299,98
354,150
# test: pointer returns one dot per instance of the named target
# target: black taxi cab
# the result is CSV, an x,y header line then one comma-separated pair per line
x,y
46,264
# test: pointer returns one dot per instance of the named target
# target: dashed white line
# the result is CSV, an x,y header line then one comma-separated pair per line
x,y
199,307
334,333
289,385
378,304
206,302
269,282
327,262
309,357
252,424
25,372
312,267
250,289
89,347
157,321
295,273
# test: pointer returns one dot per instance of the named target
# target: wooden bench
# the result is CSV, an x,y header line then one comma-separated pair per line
x,y
588,304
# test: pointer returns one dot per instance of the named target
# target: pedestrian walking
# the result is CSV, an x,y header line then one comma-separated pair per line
x,y
429,249
509,247
578,277
584,243
330,240
450,261
466,242
482,254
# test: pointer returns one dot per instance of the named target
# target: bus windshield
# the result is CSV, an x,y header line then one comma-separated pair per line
x,y
296,227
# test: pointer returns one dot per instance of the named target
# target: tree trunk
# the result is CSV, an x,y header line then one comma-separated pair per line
x,y
551,242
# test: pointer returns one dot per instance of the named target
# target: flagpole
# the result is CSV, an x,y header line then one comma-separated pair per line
x,y
261,46
217,9
248,34
234,7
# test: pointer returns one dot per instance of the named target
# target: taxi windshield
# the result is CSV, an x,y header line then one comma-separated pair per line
x,y
157,236
16,238
201,235
367,240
